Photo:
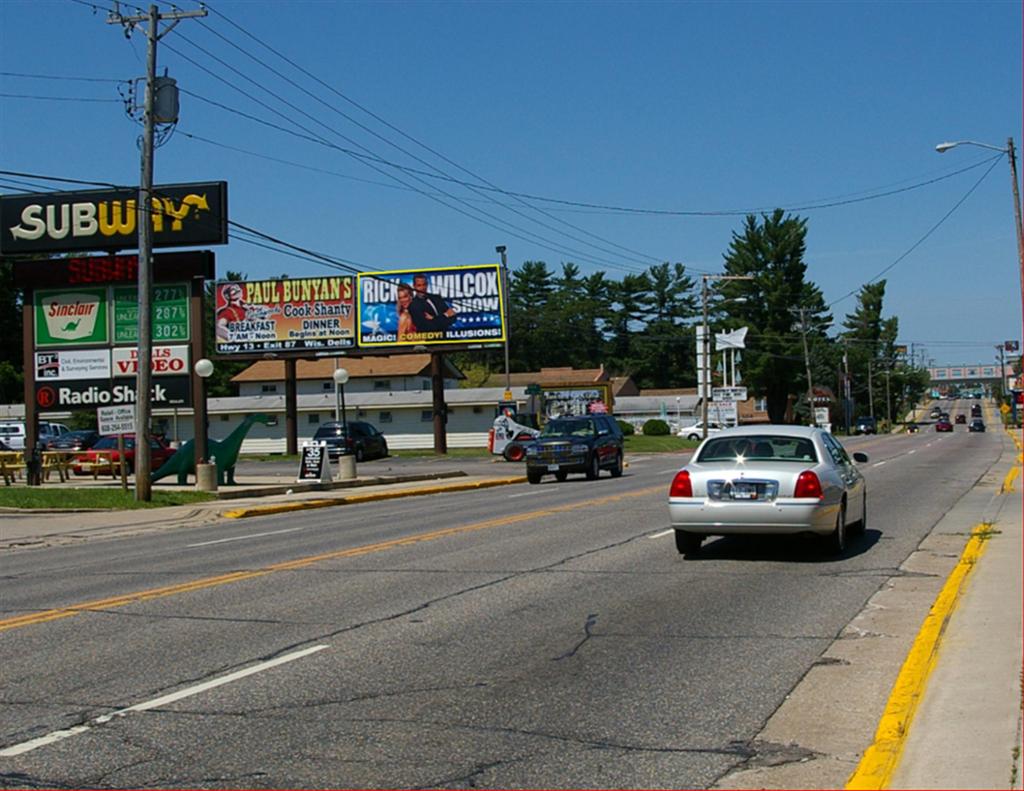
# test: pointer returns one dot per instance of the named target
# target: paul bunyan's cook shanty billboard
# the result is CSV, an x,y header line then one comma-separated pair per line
x,y
288,314
459,305
184,215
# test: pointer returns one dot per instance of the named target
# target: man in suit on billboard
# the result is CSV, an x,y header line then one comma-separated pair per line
x,y
430,313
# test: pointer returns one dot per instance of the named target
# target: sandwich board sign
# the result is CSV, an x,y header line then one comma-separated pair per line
x,y
314,463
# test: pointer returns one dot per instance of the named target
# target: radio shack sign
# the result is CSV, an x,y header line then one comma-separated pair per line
x,y
184,215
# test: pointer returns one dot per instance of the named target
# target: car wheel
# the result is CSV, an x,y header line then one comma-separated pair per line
x,y
837,538
594,468
561,475
688,543
533,476
858,527
693,437
617,469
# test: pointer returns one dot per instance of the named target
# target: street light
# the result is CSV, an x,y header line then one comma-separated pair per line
x,y
340,377
203,369
706,373
500,250
1012,156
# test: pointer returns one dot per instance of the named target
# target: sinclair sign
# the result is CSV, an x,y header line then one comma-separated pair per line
x,y
184,215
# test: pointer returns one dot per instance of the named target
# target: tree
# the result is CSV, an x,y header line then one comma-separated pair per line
x,y
531,289
772,253
662,355
864,341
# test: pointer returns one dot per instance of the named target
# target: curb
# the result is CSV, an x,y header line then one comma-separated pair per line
x,y
265,510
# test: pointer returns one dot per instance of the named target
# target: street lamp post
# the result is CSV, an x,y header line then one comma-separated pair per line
x,y
500,250
1011,153
705,346
340,376
206,473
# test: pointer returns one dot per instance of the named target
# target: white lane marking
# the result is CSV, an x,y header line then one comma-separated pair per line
x,y
545,490
878,463
56,736
243,538
666,472
911,452
662,534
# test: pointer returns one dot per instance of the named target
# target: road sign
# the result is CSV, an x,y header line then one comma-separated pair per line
x,y
116,419
532,389
729,393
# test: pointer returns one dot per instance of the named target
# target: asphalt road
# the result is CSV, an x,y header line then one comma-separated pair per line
x,y
528,636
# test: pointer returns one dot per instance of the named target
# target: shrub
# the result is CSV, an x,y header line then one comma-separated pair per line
x,y
655,428
627,428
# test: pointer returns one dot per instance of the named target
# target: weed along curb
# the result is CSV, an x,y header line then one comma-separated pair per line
x,y
278,508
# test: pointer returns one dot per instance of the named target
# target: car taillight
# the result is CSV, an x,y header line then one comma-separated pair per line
x,y
808,485
681,486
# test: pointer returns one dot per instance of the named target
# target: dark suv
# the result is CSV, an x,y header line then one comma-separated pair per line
x,y
363,441
866,425
576,444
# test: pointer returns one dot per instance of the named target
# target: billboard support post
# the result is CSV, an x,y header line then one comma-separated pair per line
x,y
437,388
28,324
291,412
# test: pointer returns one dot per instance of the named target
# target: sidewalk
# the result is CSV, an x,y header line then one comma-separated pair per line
x,y
967,729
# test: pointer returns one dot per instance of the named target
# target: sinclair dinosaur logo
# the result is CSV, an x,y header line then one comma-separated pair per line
x,y
71,317
182,215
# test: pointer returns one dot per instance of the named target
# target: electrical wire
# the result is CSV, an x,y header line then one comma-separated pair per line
x,y
54,98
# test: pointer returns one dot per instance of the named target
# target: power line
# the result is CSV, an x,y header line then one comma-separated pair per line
x,y
54,98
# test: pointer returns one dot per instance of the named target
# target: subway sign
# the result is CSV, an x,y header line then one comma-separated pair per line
x,y
184,215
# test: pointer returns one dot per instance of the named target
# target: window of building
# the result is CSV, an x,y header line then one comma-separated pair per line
x,y
940,374
328,385
425,384
385,417
269,388
381,384
478,410
225,418
426,416
761,404
314,418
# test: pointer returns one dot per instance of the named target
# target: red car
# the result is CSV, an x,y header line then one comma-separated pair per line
x,y
943,424
105,451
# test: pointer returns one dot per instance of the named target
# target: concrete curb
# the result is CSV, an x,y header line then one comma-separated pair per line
x,y
278,508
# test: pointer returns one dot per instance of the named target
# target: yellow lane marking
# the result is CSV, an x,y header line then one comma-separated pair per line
x,y
280,508
1011,476
288,565
881,758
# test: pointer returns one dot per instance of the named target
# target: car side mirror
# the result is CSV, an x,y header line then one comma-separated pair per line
x,y
860,458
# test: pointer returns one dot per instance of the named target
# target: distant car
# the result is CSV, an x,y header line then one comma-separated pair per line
x,y
866,425
106,448
975,410
364,441
768,480
935,413
943,424
694,433
976,425
913,428
586,444
961,418
73,440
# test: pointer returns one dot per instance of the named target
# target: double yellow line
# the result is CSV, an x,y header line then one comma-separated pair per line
x,y
289,565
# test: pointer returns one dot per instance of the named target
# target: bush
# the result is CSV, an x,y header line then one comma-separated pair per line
x,y
656,428
627,428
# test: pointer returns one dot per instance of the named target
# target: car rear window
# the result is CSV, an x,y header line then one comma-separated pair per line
x,y
10,430
575,428
759,448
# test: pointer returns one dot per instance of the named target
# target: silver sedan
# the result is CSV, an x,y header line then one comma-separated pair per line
x,y
767,480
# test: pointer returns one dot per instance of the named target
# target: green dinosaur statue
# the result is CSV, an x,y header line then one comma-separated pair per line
x,y
224,452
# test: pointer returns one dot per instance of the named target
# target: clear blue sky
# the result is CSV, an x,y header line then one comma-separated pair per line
x,y
670,106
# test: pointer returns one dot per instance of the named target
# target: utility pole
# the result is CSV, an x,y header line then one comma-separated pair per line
x,y
1011,151
807,364
143,405
846,384
888,397
871,393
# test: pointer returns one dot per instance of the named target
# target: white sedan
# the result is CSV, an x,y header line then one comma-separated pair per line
x,y
769,480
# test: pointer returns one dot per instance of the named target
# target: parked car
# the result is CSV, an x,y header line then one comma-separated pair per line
x,y
695,433
769,480
13,433
961,418
106,446
866,425
943,424
73,440
586,444
976,425
364,441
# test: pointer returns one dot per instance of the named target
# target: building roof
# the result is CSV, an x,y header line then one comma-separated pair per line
x,y
323,368
546,376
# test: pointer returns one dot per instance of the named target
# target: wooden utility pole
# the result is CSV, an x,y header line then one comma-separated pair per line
x,y
143,405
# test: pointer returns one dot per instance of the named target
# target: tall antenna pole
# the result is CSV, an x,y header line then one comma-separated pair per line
x,y
144,379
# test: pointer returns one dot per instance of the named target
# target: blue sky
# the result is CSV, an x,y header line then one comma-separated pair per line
x,y
696,107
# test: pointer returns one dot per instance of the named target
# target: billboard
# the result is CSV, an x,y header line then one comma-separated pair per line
x,y
565,400
458,305
184,215
288,314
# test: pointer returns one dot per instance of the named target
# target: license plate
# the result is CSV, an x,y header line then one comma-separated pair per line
x,y
552,468
744,491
